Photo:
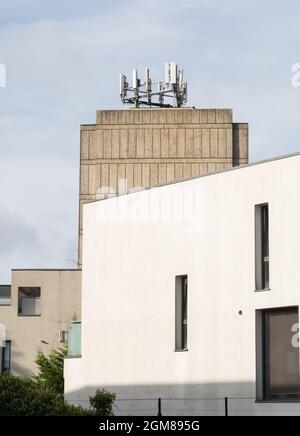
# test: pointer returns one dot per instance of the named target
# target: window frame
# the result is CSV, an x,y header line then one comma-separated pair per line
x,y
6,371
20,288
262,247
263,372
181,313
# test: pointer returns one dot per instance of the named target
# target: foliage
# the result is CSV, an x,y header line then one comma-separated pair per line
x,y
102,403
43,394
51,370
23,397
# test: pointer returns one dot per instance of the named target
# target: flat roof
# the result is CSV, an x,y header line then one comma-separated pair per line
x,y
213,173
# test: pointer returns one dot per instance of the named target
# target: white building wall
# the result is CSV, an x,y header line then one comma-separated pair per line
x,y
128,301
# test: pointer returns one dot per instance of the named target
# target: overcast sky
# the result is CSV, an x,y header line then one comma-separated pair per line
x,y
63,59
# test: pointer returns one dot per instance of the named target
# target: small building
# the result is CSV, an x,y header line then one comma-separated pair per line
x,y
191,295
34,315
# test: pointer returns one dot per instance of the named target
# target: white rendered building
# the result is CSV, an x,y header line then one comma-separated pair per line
x,y
191,294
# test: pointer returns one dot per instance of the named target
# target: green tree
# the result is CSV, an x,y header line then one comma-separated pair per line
x,y
102,403
23,397
51,370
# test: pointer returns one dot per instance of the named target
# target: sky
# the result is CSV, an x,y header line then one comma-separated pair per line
x,y
63,59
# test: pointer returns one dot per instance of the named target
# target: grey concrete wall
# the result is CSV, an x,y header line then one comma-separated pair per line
x,y
60,304
154,146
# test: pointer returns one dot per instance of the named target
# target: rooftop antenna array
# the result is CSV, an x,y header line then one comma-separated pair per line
x,y
142,93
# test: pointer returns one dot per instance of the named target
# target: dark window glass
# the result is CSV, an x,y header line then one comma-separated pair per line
x,y
6,357
181,317
265,246
281,353
29,302
262,247
5,295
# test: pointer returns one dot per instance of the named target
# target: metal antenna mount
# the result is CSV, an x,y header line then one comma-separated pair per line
x,y
142,93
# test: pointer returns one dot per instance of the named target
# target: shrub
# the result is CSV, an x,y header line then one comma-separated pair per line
x,y
23,397
102,403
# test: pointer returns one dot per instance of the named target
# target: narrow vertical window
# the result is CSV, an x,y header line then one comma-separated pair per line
x,y
181,313
262,247
6,357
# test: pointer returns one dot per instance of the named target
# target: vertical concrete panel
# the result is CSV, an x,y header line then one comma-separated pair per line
x,y
222,143
243,142
105,117
162,116
178,118
107,144
132,143
148,143
197,142
129,176
195,116
219,167
162,173
219,116
123,143
84,144
137,175
154,174
229,142
94,180
122,117
203,168
138,118
211,167
164,143
96,144
227,116
211,116
113,117
170,172
181,143
214,143
154,116
170,117
130,116
113,178
187,170
146,116
146,175
203,116
195,169
205,143
178,171
122,184
172,143
189,148
105,178
156,143
187,116
84,179
115,144
140,148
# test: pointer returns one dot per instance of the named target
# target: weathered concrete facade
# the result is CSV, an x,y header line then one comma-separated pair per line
x,y
60,303
127,149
